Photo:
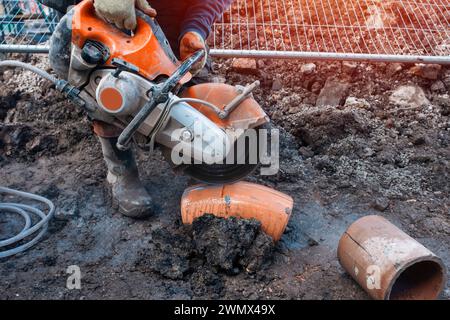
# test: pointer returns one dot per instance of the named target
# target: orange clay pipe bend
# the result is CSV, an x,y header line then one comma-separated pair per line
x,y
242,200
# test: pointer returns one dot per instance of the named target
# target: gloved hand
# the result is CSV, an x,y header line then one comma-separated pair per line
x,y
190,43
122,13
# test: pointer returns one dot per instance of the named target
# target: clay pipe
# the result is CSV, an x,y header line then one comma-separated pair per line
x,y
389,264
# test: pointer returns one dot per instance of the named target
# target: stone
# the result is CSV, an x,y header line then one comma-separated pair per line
x,y
443,100
7,75
426,71
308,68
356,103
306,152
218,79
378,18
333,93
438,86
446,78
316,87
375,20
380,204
245,66
390,123
277,85
349,67
294,109
393,68
419,140
39,143
409,96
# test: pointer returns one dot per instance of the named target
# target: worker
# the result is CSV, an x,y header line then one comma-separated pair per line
x,y
186,24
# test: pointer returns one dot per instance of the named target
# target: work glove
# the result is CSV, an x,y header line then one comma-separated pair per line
x,y
190,43
122,13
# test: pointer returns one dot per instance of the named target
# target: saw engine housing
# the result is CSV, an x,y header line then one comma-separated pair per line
x,y
134,81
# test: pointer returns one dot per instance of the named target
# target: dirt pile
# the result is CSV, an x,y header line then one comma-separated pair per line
x,y
35,120
209,248
22,141
231,245
392,141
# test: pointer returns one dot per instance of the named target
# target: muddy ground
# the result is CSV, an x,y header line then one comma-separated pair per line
x,y
360,155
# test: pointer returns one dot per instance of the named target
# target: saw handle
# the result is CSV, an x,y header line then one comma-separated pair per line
x,y
159,95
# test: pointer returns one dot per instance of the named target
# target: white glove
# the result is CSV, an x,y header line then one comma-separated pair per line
x,y
122,13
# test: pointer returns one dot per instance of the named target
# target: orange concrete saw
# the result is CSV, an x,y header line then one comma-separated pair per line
x,y
135,82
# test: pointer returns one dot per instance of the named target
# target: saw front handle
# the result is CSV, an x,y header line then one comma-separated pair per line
x,y
159,95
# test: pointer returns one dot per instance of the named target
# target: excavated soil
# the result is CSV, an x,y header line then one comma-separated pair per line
x,y
342,156
203,253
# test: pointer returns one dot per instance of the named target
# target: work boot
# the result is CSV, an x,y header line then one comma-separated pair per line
x,y
128,192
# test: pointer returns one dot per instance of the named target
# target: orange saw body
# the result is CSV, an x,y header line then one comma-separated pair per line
x,y
142,49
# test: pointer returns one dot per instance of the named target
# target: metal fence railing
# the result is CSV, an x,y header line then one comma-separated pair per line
x,y
383,30
374,30
25,26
